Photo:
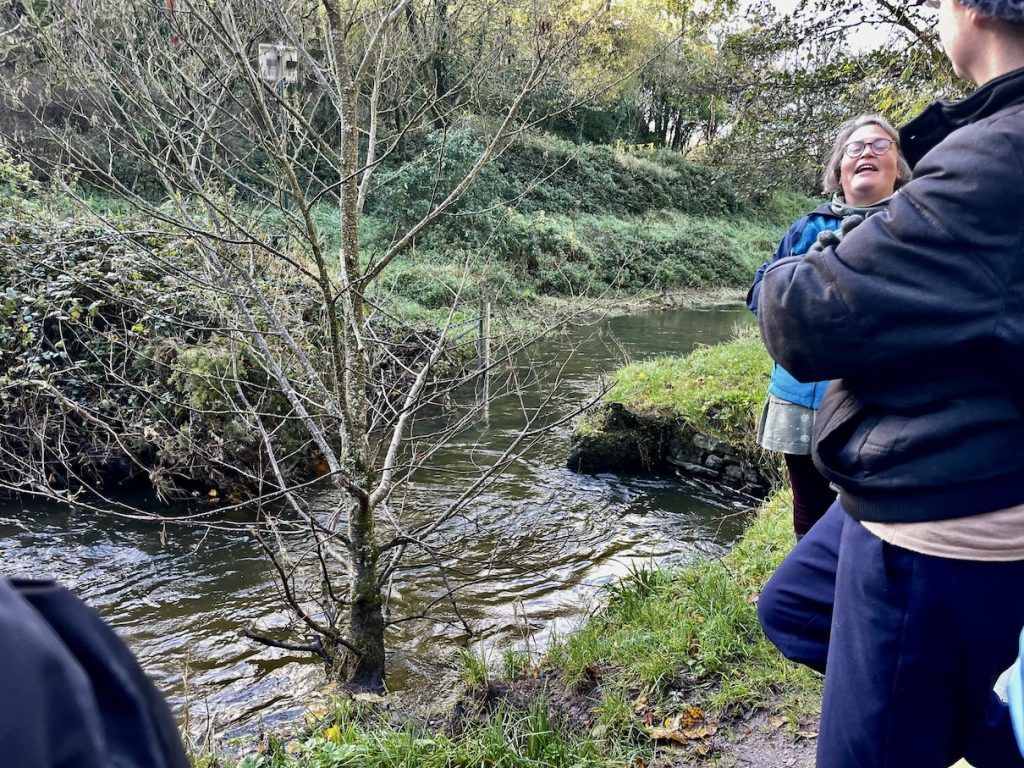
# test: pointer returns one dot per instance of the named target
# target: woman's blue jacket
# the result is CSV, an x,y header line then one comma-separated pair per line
x,y
798,240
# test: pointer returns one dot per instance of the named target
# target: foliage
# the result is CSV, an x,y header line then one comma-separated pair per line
x,y
586,220
619,179
433,163
787,83
509,738
535,175
134,358
16,182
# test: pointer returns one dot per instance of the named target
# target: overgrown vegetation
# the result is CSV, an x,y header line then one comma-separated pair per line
x,y
346,737
80,295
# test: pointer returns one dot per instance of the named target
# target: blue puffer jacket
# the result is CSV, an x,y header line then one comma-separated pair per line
x,y
798,240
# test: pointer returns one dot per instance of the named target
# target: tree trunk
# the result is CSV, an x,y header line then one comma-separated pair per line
x,y
366,619
364,669
440,62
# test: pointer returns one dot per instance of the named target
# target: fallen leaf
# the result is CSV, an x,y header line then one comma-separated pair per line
x,y
668,734
692,715
776,721
641,703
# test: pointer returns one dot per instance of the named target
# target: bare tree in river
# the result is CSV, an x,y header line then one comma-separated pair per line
x,y
264,184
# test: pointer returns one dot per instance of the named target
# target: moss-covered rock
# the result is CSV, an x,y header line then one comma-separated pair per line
x,y
693,415
615,439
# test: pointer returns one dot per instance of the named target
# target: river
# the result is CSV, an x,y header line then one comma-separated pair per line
x,y
180,600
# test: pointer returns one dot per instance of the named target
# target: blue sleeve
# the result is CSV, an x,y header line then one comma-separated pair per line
x,y
785,249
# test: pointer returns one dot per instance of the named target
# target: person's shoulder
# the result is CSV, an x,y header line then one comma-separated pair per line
x,y
999,132
1007,124
823,213
986,158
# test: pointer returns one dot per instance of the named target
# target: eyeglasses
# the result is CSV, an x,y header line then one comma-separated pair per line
x,y
878,147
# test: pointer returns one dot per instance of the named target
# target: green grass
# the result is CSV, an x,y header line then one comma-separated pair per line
x,y
718,390
694,633
507,739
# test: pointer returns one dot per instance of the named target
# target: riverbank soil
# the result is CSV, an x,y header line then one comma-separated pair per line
x,y
688,740
766,742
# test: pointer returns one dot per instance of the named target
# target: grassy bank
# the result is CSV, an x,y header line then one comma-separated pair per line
x,y
695,415
717,389
548,218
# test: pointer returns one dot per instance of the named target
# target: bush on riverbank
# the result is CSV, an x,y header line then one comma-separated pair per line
x,y
119,361
115,359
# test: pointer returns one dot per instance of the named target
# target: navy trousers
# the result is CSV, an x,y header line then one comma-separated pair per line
x,y
911,646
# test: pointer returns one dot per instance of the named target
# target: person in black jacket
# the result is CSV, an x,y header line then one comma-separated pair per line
x,y
71,693
906,593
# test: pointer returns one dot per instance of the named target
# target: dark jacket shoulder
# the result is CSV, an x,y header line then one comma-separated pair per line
x,y
919,312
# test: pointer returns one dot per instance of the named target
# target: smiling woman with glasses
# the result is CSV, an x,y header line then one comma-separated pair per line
x,y
861,174
864,137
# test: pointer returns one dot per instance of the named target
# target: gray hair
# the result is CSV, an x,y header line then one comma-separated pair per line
x,y
830,178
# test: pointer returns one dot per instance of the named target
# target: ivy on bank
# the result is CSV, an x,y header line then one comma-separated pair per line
x,y
117,360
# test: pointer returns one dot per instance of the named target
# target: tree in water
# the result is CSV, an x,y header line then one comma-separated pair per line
x,y
259,182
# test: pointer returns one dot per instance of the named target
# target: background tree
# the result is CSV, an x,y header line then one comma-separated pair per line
x,y
789,81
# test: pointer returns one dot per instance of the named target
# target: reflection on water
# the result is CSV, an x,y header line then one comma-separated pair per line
x,y
533,549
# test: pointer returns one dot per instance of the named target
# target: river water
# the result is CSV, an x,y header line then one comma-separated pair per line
x,y
534,550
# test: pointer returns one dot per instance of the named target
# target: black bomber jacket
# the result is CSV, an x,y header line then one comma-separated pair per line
x,y
919,315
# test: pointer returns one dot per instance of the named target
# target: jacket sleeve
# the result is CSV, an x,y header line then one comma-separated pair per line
x,y
930,273
785,249
48,711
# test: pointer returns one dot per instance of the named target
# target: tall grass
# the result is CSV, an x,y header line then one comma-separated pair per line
x,y
506,739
